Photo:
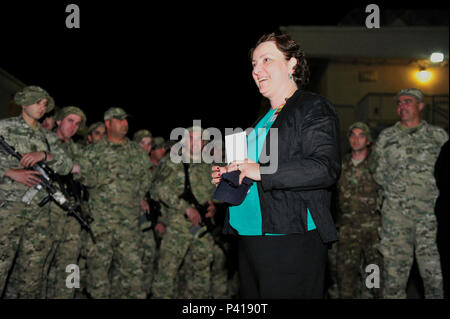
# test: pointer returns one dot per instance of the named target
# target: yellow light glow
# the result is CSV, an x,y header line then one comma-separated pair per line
x,y
423,76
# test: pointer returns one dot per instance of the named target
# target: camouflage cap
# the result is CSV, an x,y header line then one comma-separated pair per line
x,y
362,126
158,142
116,113
94,126
50,104
65,111
30,95
139,135
411,92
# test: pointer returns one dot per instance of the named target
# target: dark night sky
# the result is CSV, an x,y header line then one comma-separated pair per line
x,y
165,64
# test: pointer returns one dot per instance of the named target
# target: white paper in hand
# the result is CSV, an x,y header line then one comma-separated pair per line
x,y
236,147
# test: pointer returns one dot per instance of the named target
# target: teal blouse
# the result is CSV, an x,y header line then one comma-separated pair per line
x,y
246,218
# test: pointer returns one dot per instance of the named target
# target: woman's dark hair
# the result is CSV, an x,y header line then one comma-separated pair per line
x,y
290,49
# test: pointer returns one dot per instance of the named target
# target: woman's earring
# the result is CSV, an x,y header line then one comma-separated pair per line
x,y
290,77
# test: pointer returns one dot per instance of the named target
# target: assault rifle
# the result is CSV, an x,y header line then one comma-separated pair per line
x,y
152,218
78,192
188,196
48,177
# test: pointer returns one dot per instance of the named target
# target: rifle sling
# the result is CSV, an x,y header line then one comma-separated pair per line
x,y
187,185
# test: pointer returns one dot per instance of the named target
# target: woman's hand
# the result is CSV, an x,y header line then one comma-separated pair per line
x,y
217,171
248,169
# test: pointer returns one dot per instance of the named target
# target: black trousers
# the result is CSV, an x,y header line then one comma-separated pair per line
x,y
286,267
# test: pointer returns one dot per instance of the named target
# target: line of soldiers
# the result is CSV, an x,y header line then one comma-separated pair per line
x,y
38,243
385,207
386,191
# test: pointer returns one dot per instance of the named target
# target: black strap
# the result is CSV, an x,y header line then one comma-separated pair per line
x,y
187,185
187,182
48,145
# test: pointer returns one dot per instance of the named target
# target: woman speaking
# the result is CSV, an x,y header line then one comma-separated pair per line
x,y
284,223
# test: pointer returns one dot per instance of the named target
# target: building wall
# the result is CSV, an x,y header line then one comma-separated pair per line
x,y
341,83
8,87
342,86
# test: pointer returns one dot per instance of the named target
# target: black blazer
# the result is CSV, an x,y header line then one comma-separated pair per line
x,y
309,165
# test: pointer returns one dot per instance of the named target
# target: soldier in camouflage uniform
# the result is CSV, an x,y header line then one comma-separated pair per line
x,y
158,151
144,139
117,182
405,158
48,120
95,133
24,228
357,218
66,230
181,244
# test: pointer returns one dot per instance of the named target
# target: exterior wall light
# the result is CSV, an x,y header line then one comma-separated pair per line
x,y
423,76
437,57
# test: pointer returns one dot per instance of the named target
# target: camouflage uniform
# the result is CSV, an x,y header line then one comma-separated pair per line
x,y
149,255
67,238
24,229
118,181
84,236
404,165
148,240
220,287
179,246
358,223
